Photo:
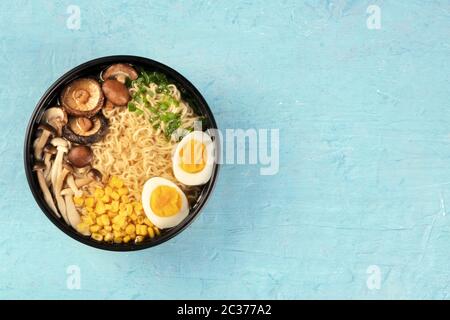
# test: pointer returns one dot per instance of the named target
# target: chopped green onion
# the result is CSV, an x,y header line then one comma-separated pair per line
x,y
131,106
163,106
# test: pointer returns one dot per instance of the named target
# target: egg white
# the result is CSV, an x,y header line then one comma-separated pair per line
x,y
163,222
199,178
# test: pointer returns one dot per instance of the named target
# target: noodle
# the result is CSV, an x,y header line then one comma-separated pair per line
x,y
135,151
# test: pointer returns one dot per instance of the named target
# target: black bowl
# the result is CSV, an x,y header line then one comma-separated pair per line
x,y
94,67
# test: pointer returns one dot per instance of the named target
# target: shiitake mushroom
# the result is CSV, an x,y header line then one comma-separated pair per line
x,y
82,97
80,156
119,72
82,130
116,92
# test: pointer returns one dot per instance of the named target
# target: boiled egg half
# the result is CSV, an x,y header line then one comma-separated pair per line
x,y
164,203
193,159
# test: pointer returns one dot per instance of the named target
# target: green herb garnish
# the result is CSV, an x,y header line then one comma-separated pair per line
x,y
163,106
131,107
157,114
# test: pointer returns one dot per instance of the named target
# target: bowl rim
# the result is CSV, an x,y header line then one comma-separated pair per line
x,y
50,94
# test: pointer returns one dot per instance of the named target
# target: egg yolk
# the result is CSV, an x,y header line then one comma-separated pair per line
x,y
165,201
193,156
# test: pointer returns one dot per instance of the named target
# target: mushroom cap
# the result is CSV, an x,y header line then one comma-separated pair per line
x,y
39,165
120,71
82,97
59,142
84,124
74,132
116,92
109,105
46,127
56,117
67,166
80,156
94,174
49,148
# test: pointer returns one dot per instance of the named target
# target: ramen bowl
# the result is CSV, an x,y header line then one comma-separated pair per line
x,y
50,98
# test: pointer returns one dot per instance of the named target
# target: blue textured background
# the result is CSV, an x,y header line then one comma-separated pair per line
x,y
364,175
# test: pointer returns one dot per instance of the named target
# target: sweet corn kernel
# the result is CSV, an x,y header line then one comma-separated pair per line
x,y
105,220
108,191
115,206
98,220
106,199
95,228
124,199
129,209
78,201
117,239
122,191
138,229
83,229
119,220
89,202
99,193
110,215
88,220
115,182
119,184
115,195
130,229
97,236
148,222
137,207
122,206
108,237
141,230
100,208
92,215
